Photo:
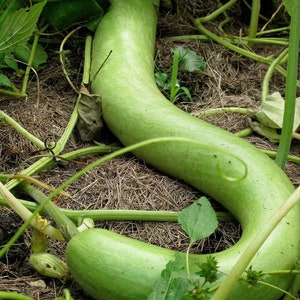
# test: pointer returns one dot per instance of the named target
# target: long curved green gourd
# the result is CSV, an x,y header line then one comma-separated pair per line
x,y
110,266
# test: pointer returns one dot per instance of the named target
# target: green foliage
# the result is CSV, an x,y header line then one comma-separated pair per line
x,y
176,283
40,57
62,14
252,276
18,24
18,27
187,60
198,220
172,284
270,117
4,81
209,270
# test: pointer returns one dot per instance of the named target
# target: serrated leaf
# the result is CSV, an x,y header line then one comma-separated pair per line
x,y
190,60
209,269
171,285
198,220
4,81
18,27
271,113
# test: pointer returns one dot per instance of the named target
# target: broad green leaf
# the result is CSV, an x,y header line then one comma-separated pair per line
x,y
271,113
190,60
198,220
63,14
40,57
18,27
4,81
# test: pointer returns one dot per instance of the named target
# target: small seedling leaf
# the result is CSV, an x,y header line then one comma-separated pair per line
x,y
18,27
190,60
198,220
187,93
162,80
271,113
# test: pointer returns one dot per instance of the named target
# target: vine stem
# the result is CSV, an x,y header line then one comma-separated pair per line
x,y
291,86
14,296
35,220
13,123
265,86
63,222
222,110
29,65
243,262
218,11
41,163
254,21
266,60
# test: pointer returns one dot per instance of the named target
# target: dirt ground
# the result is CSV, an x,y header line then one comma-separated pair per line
x,y
127,183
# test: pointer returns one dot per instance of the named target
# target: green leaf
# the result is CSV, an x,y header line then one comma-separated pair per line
x,y
198,220
268,132
18,27
190,60
271,113
63,14
11,62
4,81
186,92
162,80
171,285
209,269
252,276
40,57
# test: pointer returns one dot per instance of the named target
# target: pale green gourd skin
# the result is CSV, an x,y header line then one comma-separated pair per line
x,y
110,266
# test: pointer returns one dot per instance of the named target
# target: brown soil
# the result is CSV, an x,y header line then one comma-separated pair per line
x,y
127,183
